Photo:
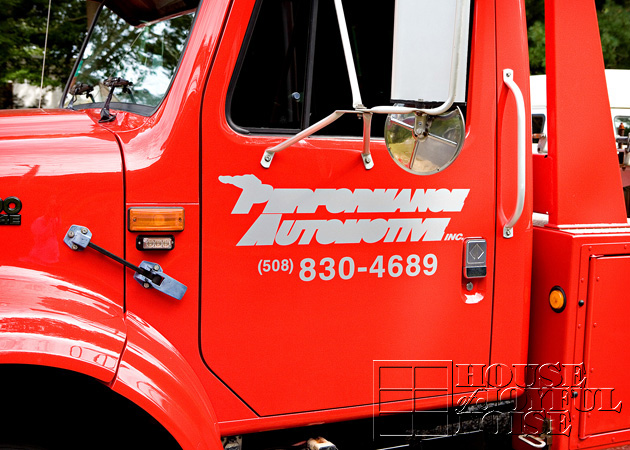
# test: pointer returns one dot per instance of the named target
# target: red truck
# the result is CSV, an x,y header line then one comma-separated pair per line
x,y
308,224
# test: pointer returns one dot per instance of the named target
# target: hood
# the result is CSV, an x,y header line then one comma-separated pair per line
x,y
65,169
22,123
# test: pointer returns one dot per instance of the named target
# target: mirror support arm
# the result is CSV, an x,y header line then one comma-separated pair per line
x,y
367,114
365,155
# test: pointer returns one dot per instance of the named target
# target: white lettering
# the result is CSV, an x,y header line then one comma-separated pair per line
x,y
253,191
431,229
291,230
270,228
306,201
258,233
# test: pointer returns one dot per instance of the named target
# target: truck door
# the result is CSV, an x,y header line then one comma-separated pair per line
x,y
315,267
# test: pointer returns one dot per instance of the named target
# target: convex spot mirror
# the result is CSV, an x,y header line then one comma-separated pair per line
x,y
424,144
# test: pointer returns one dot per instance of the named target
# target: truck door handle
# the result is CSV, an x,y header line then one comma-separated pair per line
x,y
508,79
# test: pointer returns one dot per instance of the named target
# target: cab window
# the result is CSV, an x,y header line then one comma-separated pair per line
x,y
292,73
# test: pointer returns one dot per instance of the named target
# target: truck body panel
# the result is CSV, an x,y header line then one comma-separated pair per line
x,y
287,350
586,230
341,282
154,375
58,310
582,335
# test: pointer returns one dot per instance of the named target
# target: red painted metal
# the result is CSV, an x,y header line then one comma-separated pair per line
x,y
587,268
161,152
60,307
50,321
248,349
324,324
608,313
584,185
512,275
579,183
155,376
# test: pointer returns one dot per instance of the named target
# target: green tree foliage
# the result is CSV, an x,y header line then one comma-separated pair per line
x,y
614,27
536,42
22,35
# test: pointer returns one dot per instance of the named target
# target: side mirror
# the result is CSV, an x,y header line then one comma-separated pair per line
x,y
429,70
430,55
424,144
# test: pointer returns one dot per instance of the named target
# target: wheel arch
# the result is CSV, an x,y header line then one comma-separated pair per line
x,y
155,376
51,322
47,323
48,407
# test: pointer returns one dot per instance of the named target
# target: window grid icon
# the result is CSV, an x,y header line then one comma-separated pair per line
x,y
410,389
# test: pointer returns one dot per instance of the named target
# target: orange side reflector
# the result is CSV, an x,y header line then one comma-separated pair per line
x,y
557,299
156,219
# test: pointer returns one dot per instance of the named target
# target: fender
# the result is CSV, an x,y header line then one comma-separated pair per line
x,y
157,378
61,308
47,321
50,322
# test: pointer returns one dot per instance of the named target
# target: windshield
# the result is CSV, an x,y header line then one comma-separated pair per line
x,y
146,55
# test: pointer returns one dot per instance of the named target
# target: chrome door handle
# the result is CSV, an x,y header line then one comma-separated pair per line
x,y
508,79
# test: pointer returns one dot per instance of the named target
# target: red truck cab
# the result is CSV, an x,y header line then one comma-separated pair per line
x,y
202,241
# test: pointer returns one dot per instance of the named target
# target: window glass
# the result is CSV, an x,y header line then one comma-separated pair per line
x,y
146,55
292,69
270,89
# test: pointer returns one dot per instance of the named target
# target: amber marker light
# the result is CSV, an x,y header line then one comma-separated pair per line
x,y
557,299
156,219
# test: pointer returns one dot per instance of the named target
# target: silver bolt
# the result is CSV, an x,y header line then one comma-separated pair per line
x,y
469,286
368,160
70,234
84,230
156,267
267,158
75,247
146,285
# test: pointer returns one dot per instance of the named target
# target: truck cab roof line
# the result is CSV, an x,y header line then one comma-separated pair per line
x,y
137,12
